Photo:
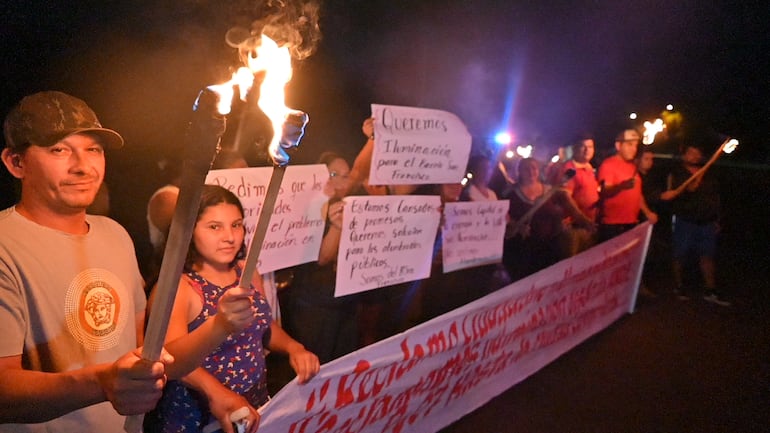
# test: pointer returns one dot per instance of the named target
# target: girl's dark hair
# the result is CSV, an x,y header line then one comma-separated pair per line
x,y
213,195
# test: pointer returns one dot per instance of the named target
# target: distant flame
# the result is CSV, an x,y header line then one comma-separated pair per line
x,y
524,151
730,146
651,129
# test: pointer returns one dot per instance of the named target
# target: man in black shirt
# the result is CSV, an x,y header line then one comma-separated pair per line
x,y
695,210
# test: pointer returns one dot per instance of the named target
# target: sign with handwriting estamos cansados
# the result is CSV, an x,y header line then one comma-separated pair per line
x,y
386,240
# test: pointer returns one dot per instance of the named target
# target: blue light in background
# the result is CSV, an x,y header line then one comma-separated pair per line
x,y
503,138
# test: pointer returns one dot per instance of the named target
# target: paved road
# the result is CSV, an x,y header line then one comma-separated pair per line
x,y
672,366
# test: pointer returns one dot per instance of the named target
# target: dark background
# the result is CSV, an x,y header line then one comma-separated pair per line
x,y
543,70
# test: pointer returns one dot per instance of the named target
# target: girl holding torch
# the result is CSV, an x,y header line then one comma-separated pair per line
x,y
233,374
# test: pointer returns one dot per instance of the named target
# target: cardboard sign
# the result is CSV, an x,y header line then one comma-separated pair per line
x,y
418,146
386,240
296,225
473,233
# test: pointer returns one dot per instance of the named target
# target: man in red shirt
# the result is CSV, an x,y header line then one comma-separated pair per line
x,y
621,196
583,189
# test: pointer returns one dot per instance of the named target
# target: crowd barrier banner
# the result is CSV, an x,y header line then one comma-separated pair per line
x,y
415,146
296,225
472,233
433,374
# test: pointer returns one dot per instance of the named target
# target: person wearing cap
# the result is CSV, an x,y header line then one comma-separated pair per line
x,y
71,296
620,196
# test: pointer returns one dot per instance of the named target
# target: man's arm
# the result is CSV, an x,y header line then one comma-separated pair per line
x,y
672,193
651,216
571,208
610,190
131,384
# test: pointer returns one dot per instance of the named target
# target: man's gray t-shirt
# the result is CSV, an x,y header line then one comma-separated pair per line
x,y
66,302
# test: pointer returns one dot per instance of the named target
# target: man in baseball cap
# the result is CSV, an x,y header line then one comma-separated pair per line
x,y
63,366
44,118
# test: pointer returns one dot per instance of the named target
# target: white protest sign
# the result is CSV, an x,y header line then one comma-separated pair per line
x,y
417,146
386,240
473,233
296,226
427,377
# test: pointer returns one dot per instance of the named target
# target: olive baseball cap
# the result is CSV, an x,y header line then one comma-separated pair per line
x,y
45,118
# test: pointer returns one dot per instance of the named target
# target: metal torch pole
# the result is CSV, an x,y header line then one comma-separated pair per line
x,y
260,231
204,133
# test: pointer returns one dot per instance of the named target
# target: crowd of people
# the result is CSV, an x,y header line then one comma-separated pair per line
x,y
73,301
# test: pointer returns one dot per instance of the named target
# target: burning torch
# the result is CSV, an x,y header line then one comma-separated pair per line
x,y
728,146
290,135
521,226
202,143
288,130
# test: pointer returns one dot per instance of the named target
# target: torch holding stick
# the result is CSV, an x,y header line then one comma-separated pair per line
x,y
522,224
291,134
202,143
728,146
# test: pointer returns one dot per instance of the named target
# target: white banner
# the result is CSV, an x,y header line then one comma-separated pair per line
x,y
296,226
418,146
386,240
429,376
472,234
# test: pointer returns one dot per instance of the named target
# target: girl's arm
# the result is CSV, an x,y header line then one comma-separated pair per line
x,y
304,362
234,313
222,401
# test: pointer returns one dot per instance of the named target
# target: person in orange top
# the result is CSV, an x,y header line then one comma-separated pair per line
x,y
583,189
620,195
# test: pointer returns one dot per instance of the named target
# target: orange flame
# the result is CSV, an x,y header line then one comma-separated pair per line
x,y
651,129
243,78
275,61
730,146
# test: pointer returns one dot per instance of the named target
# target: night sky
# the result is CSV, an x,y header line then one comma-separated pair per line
x,y
543,70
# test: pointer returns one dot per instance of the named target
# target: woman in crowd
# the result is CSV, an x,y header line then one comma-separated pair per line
x,y
233,374
323,323
536,237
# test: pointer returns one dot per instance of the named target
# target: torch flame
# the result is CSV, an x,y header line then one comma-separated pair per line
x,y
243,78
730,146
275,62
651,129
288,124
524,151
